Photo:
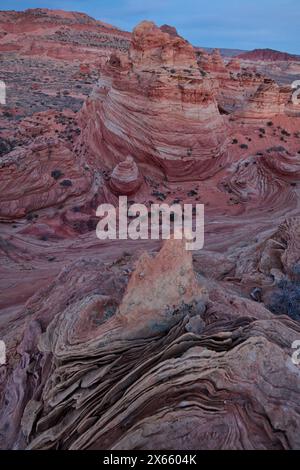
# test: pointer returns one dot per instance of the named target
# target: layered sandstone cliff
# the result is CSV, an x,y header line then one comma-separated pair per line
x,y
158,107
180,355
122,344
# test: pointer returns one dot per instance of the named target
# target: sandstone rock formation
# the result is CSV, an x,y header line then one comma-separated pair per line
x,y
26,186
234,65
266,181
58,34
157,107
268,101
125,178
268,55
153,47
124,344
135,375
166,104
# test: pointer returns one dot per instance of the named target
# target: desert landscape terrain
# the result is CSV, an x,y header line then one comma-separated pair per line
x,y
140,344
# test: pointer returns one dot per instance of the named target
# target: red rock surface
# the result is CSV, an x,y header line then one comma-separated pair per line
x,y
268,55
138,106
58,34
125,178
129,344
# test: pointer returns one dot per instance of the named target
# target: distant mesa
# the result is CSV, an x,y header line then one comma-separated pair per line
x,y
269,55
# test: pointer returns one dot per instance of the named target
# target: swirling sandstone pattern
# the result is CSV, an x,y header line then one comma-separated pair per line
x,y
193,362
27,186
127,344
159,108
125,178
267,181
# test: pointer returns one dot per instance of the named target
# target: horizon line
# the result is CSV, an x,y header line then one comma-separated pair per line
x,y
128,31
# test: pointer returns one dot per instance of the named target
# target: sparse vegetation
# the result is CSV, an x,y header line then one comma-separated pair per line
x,y
286,298
276,149
5,147
159,195
56,174
66,183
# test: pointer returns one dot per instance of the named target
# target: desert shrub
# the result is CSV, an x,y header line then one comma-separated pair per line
x,y
244,146
92,224
159,195
5,146
56,174
235,141
296,271
279,148
66,183
286,299
270,124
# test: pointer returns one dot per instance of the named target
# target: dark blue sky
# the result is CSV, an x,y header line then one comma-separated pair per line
x,y
237,24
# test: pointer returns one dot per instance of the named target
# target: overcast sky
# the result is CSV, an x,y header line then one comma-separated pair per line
x,y
236,24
